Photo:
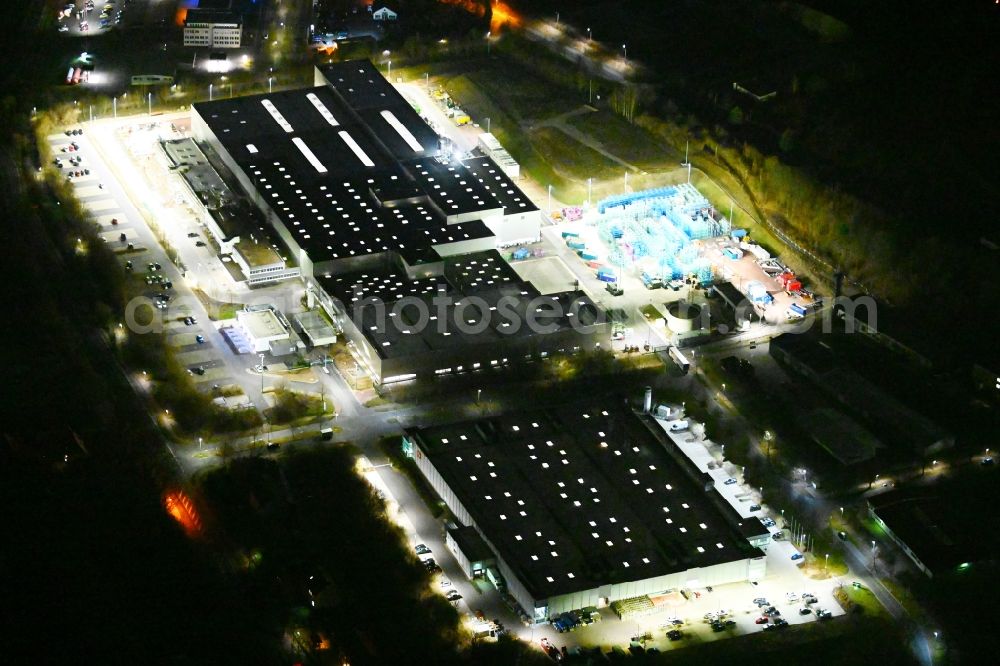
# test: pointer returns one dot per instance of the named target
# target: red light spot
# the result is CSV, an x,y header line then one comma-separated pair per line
x,y
182,509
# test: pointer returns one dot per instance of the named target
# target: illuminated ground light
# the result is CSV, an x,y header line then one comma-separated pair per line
x,y
180,507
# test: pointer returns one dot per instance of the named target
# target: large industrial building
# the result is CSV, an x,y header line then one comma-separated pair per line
x,y
477,315
352,178
355,184
582,506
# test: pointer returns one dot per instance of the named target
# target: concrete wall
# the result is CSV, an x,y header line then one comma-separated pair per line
x,y
718,574
484,215
465,247
517,228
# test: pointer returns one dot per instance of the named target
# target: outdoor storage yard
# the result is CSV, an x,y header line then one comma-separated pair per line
x,y
670,239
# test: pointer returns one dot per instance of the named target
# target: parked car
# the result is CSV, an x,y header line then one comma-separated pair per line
x,y
730,481
796,557
763,619
805,611
755,507
200,339
675,635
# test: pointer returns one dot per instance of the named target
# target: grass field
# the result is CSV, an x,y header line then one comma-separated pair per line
x,y
628,142
571,159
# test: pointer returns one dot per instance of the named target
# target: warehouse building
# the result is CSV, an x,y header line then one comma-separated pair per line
x,y
582,506
942,528
351,178
477,315
210,28
893,421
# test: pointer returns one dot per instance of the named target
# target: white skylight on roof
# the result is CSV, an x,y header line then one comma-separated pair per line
x,y
278,118
323,111
308,154
401,130
358,151
252,149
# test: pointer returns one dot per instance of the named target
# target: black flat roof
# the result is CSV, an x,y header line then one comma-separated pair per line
x,y
581,496
476,283
476,184
947,523
351,169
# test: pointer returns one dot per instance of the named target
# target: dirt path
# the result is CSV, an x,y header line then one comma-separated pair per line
x,y
559,123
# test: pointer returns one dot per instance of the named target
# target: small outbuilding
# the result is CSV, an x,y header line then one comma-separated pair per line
x,y
384,14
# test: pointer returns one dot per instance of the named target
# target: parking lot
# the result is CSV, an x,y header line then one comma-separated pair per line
x,y
784,586
84,18
185,322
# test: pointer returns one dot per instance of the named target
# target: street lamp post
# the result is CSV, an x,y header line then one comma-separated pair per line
x,y
389,73
590,36
149,97
624,52
261,374
549,207
210,87
114,107
487,124
270,80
